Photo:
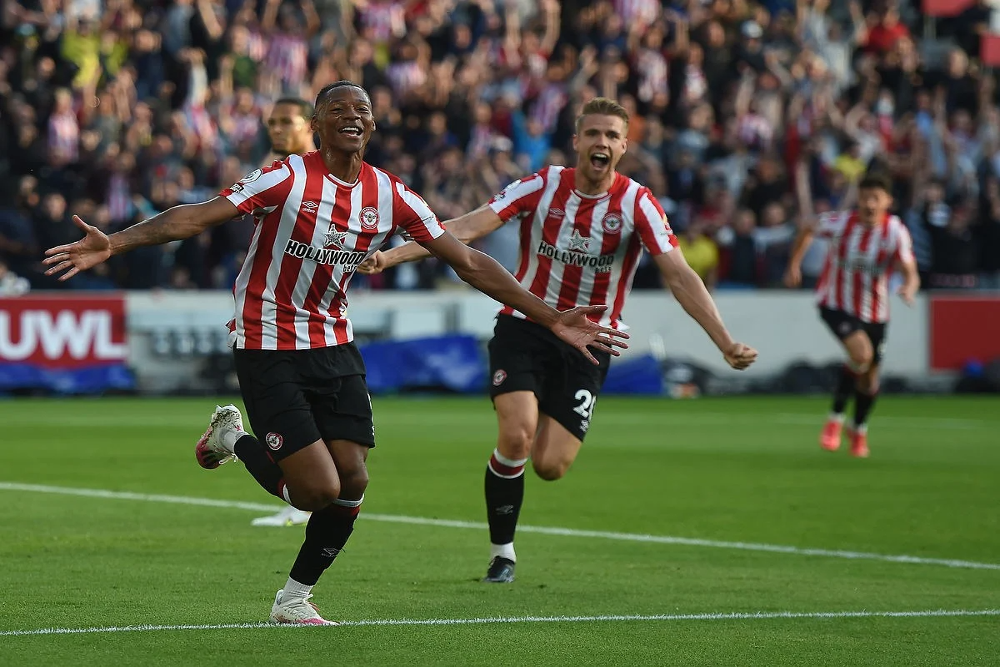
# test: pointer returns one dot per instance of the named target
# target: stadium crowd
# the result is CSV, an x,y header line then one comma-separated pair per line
x,y
117,109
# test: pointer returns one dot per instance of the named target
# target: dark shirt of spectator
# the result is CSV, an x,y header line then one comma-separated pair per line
x,y
954,255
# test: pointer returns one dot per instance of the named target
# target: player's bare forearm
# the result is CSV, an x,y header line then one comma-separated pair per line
x,y
171,225
911,281
174,224
408,252
801,244
910,274
693,296
487,275
466,228
474,225
689,290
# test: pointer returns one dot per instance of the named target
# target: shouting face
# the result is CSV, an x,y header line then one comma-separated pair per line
x,y
600,144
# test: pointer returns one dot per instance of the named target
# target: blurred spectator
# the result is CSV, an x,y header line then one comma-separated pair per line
x,y
954,253
19,248
114,109
700,251
10,283
741,265
773,239
884,29
988,235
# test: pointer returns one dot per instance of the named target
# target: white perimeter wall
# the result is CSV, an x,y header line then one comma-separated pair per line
x,y
784,327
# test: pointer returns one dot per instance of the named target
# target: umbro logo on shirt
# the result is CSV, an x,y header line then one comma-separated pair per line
x,y
310,205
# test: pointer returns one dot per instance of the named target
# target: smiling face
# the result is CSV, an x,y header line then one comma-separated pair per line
x,y
600,144
344,119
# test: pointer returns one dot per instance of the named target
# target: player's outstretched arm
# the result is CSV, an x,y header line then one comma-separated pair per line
x,y
807,221
467,228
174,224
690,292
489,277
911,280
793,274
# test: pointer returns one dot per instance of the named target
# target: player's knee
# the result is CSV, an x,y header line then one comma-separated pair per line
x,y
550,471
316,495
353,483
861,361
515,442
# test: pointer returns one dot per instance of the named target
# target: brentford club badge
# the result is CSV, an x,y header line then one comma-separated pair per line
x,y
369,219
499,377
274,441
612,223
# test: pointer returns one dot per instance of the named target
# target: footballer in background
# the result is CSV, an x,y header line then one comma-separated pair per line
x,y
582,232
866,245
290,132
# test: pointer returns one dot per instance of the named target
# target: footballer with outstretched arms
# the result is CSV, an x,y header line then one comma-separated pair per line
x,y
302,379
582,231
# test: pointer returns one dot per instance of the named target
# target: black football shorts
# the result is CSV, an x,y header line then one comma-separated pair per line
x,y
525,356
844,324
296,397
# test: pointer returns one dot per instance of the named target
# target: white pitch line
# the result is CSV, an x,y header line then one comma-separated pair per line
x,y
543,530
606,618
422,419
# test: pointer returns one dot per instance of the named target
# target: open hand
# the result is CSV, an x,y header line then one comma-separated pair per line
x,y
374,264
73,258
740,356
574,327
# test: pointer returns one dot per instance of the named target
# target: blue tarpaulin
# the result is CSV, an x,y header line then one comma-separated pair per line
x,y
84,380
635,375
459,364
455,363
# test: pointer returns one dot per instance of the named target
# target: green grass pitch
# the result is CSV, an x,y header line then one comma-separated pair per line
x,y
723,471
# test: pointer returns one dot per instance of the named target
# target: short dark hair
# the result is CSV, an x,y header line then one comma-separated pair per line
x,y
876,179
334,86
305,109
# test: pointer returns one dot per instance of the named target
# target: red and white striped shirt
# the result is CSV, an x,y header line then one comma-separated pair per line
x,y
311,232
64,138
381,21
859,262
582,250
288,57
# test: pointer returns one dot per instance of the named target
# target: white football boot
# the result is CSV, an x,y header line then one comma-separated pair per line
x,y
296,611
211,450
286,516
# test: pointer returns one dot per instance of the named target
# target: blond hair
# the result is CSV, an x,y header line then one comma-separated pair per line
x,y
602,106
